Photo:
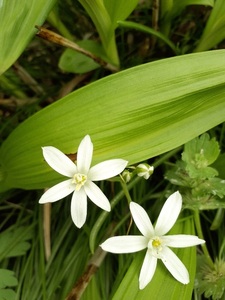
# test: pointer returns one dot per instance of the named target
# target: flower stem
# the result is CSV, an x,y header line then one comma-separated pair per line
x,y
125,190
200,235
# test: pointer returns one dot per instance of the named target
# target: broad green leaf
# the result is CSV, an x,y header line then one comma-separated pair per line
x,y
214,31
7,278
135,114
163,285
18,20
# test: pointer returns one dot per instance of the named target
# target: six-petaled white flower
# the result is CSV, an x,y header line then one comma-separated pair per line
x,y
155,240
81,177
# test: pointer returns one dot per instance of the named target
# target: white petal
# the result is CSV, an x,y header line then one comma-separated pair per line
x,y
59,161
175,266
141,219
147,270
169,214
181,240
125,244
96,195
84,155
58,192
107,169
79,208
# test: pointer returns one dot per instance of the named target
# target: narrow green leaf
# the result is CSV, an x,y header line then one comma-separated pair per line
x,y
135,114
100,16
146,29
214,31
163,285
18,20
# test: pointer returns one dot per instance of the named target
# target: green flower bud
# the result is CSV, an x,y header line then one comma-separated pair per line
x,y
144,170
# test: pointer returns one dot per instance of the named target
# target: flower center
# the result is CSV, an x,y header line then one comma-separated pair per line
x,y
79,180
155,244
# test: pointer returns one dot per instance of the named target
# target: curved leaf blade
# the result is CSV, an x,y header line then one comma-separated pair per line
x,y
135,114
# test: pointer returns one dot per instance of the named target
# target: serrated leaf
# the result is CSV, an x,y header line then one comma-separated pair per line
x,y
13,242
7,294
18,20
163,285
135,114
7,278
199,154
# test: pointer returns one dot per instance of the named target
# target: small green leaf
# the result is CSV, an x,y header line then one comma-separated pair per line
x,y
211,281
13,242
199,154
7,278
7,294
75,62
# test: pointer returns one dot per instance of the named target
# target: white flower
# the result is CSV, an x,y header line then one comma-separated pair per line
x,y
155,240
80,179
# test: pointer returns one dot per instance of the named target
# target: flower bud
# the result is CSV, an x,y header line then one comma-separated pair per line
x,y
144,170
127,175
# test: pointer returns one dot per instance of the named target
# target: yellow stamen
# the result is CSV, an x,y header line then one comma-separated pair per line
x,y
156,243
79,180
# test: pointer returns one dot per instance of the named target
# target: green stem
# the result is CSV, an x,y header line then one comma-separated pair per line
x,y
103,216
125,190
200,235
